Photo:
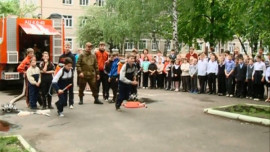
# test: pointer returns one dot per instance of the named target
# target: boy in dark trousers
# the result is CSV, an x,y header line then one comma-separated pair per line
x,y
107,69
62,79
250,68
114,77
126,79
169,73
152,73
46,70
240,77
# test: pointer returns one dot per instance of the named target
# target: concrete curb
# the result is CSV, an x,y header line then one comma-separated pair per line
x,y
24,143
262,121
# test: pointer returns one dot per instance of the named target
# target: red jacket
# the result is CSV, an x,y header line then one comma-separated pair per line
x,y
24,65
102,57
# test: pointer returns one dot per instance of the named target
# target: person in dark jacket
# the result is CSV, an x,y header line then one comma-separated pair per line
x,y
152,73
61,80
114,76
221,77
240,77
107,69
67,54
46,70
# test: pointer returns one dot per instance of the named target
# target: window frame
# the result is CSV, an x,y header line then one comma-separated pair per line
x,y
129,43
66,17
158,42
140,42
84,2
65,2
100,2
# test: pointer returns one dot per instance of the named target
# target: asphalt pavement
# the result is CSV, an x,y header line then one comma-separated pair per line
x,y
173,122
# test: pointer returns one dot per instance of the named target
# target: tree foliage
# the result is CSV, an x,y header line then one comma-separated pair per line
x,y
12,7
214,21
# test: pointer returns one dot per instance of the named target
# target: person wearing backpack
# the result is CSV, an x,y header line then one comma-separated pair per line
x,y
88,72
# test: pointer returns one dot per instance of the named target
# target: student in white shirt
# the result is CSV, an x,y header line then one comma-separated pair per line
x,y
258,78
202,69
212,71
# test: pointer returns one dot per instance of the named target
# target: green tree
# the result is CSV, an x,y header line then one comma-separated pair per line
x,y
207,20
250,22
12,7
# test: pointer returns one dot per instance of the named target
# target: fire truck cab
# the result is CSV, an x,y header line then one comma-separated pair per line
x,y
18,34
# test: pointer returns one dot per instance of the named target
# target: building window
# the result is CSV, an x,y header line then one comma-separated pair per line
x,y
142,44
100,2
84,2
67,2
246,47
129,45
168,45
155,45
83,21
69,40
68,20
231,47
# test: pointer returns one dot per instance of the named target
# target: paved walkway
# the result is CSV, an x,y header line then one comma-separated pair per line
x,y
174,122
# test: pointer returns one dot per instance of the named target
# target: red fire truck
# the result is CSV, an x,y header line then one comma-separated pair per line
x,y
18,34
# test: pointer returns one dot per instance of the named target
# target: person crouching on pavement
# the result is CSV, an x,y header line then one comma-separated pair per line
x,y
126,79
62,79
87,69
34,79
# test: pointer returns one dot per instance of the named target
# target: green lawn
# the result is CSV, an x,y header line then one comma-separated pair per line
x,y
11,144
249,110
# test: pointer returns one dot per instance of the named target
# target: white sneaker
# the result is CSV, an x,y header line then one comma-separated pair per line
x,y
256,99
231,95
71,107
61,114
227,95
250,98
176,90
247,97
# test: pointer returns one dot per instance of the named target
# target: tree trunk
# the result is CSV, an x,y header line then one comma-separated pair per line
x,y
175,27
242,44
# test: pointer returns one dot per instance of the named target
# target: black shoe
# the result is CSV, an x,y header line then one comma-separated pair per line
x,y
43,108
97,101
81,101
50,107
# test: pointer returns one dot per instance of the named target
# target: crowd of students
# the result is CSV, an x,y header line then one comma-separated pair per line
x,y
226,74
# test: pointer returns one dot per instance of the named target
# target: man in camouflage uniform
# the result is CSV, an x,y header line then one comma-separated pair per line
x,y
88,72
